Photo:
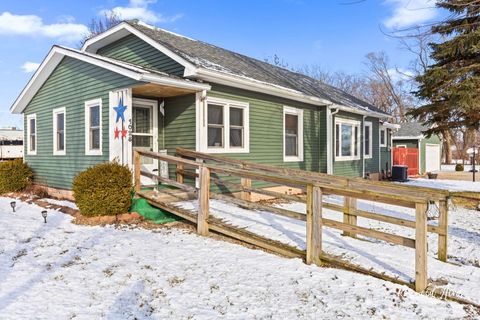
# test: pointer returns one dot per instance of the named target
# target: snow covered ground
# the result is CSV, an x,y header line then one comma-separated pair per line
x,y
451,185
60,270
451,167
461,275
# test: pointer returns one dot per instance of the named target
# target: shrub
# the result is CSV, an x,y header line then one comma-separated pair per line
x,y
103,190
14,176
459,167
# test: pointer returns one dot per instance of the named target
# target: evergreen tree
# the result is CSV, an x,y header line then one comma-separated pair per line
x,y
451,85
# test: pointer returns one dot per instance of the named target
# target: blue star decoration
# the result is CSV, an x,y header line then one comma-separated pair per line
x,y
120,109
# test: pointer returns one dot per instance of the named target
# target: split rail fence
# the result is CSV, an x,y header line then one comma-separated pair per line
x,y
207,169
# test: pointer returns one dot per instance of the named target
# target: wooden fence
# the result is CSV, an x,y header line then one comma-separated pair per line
x,y
210,169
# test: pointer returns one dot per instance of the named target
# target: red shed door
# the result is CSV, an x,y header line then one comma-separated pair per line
x,y
407,157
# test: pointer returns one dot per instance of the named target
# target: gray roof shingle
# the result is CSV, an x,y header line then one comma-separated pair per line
x,y
211,57
410,129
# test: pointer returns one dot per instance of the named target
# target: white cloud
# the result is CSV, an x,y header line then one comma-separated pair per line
x,y
407,13
400,74
138,9
29,67
12,24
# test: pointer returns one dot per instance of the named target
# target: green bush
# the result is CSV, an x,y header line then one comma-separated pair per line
x,y
103,190
14,176
459,167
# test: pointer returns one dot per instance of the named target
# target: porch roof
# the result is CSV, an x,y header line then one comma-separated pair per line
x,y
148,76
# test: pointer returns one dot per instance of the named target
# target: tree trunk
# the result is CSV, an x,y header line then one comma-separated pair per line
x,y
447,146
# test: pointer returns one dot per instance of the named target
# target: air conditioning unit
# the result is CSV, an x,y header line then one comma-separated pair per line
x,y
399,173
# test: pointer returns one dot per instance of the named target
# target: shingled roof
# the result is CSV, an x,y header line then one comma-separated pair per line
x,y
214,58
410,129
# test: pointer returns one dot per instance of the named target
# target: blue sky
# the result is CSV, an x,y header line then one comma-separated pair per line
x,y
330,33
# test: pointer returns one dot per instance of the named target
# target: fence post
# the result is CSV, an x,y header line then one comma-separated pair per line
x,y
420,247
136,170
246,183
349,207
203,201
314,225
179,172
443,226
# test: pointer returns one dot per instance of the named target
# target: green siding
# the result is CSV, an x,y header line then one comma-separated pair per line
x,y
386,152
266,129
71,84
371,165
134,50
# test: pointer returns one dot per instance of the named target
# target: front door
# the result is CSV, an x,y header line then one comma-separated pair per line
x,y
145,134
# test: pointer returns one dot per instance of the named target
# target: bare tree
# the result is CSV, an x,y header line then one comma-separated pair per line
x,y
101,24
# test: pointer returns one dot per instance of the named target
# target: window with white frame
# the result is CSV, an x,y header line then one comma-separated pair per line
x,y
367,140
227,126
292,134
93,127
59,131
32,136
347,139
383,137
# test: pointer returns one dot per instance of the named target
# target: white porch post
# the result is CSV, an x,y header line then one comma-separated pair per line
x,y
120,126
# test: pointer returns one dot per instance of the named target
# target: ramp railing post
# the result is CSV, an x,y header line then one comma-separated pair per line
x,y
420,247
349,208
203,201
443,226
314,225
136,170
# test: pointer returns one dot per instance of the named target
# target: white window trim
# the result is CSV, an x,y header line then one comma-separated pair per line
x,y
226,123
54,113
88,105
384,130
401,146
30,117
369,125
299,113
350,122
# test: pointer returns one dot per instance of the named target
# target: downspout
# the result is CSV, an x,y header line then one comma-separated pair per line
x,y
330,153
363,146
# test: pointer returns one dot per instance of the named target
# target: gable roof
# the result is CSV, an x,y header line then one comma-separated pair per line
x,y
413,130
202,59
57,53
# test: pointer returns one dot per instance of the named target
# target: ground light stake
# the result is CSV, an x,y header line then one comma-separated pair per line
x,y
44,215
13,204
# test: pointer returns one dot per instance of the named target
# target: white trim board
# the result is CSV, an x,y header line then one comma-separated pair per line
x,y
55,112
300,149
29,152
88,105
56,55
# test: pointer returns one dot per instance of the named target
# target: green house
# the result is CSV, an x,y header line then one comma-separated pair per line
x,y
140,87
426,150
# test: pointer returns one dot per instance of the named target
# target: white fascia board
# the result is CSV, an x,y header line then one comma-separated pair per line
x,y
360,112
257,86
389,125
178,83
123,29
407,137
49,64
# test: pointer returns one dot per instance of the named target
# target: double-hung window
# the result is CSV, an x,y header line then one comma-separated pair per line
x,y
93,127
227,126
347,139
292,134
32,137
59,146
383,137
367,147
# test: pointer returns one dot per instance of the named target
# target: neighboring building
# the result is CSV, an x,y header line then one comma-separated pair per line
x,y
425,152
137,86
11,143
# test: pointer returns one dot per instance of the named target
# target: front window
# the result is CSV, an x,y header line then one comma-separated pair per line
x,y
32,134
368,140
347,145
59,131
383,137
293,134
93,127
227,126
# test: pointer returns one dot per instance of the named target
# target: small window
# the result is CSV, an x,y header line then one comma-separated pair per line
x,y
293,134
227,126
93,127
347,146
368,140
59,131
32,134
383,137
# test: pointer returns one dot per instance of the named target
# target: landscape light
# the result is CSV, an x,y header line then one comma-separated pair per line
x,y
13,204
44,215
